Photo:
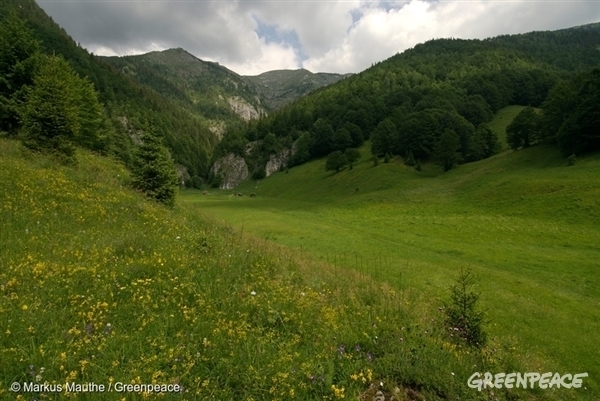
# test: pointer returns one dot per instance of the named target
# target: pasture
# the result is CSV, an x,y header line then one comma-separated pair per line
x,y
525,222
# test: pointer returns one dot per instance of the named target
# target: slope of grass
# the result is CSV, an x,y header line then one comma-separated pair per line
x,y
97,285
527,225
501,120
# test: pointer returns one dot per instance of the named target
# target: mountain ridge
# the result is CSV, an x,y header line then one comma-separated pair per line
x,y
266,92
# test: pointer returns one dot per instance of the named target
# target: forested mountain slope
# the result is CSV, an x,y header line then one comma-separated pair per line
x,y
128,105
436,97
203,87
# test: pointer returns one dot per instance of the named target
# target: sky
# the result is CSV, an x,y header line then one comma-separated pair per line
x,y
254,36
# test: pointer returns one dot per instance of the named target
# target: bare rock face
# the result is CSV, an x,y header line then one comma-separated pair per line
x,y
242,108
183,175
233,170
277,162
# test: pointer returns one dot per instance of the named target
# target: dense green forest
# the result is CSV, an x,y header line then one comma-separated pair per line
x,y
126,105
442,93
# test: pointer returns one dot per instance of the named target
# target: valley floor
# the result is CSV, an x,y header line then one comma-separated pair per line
x,y
526,223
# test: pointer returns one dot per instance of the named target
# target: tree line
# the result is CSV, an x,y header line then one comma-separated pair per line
x,y
51,109
437,95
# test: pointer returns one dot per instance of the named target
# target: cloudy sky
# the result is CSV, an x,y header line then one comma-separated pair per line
x,y
253,36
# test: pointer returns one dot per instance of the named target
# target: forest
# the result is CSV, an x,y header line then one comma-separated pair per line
x,y
441,94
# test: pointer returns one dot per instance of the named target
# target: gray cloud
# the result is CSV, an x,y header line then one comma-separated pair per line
x,y
334,36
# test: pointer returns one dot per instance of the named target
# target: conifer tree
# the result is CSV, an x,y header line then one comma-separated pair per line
x,y
153,169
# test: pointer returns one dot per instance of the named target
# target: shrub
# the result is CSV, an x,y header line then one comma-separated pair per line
x,y
410,159
463,316
259,173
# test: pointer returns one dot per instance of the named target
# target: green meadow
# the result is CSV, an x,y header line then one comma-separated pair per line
x,y
321,286
101,287
527,225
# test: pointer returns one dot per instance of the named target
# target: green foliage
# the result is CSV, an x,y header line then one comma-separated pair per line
x,y
418,165
322,134
18,64
384,138
446,149
483,144
153,170
375,161
524,130
336,161
60,110
442,84
572,160
387,158
409,160
579,131
463,317
259,173
303,146
352,155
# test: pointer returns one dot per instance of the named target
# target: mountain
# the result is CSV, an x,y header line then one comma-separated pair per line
x,y
444,88
205,88
214,91
281,87
129,106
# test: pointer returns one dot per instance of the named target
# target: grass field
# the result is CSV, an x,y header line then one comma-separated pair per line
x,y
99,285
528,226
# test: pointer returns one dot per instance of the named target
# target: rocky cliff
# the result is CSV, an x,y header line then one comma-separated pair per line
x,y
232,169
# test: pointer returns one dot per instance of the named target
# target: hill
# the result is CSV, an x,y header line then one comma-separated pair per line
x,y
99,285
215,92
281,87
406,103
205,88
524,221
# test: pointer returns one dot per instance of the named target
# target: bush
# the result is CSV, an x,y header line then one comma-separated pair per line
x,y
336,161
259,173
463,316
410,159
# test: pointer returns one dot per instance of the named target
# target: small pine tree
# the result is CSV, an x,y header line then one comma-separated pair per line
x,y
463,316
571,160
387,158
410,159
375,160
418,166
153,170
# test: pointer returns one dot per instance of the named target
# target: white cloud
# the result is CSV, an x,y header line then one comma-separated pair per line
x,y
225,31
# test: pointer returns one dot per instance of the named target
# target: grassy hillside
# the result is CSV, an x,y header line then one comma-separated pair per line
x,y
525,222
501,120
100,286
